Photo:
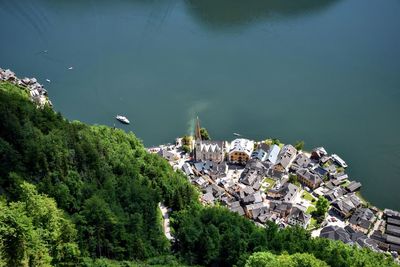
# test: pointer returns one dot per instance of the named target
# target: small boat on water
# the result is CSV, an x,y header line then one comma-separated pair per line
x,y
236,134
122,119
47,80
71,68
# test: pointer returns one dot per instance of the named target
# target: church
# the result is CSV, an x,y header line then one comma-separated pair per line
x,y
206,149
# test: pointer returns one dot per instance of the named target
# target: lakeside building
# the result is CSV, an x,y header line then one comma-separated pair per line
x,y
260,190
362,220
206,149
285,157
273,153
346,205
308,178
240,150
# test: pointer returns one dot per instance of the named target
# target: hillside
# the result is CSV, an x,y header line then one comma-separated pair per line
x,y
101,177
75,194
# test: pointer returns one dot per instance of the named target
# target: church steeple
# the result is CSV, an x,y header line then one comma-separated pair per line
x,y
197,133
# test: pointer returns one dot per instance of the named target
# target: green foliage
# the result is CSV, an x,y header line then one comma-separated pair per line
x,y
167,260
110,188
34,232
267,259
13,89
102,177
204,134
294,179
322,207
275,141
187,140
186,148
299,145
215,236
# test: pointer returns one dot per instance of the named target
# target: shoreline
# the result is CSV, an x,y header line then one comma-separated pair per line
x,y
37,93
263,191
271,181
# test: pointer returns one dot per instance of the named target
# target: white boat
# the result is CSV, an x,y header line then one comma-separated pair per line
x,y
236,134
71,68
47,80
122,119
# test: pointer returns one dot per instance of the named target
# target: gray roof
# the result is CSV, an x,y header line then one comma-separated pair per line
x,y
302,160
286,192
273,153
393,230
254,170
353,186
331,169
211,145
341,176
299,215
250,177
393,239
208,197
187,169
259,154
336,233
274,173
391,213
287,153
253,198
202,166
280,206
335,193
310,176
393,221
362,217
347,203
263,146
238,210
319,152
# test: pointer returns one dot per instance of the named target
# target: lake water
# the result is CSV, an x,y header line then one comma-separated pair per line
x,y
323,71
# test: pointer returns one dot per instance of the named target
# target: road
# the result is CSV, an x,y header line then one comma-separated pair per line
x,y
166,227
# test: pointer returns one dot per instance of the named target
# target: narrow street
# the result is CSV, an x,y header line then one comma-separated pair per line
x,y
166,227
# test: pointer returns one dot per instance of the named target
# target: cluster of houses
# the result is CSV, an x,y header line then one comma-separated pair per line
x,y
269,181
37,92
366,229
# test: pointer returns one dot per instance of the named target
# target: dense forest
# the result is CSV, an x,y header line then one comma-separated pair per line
x,y
80,195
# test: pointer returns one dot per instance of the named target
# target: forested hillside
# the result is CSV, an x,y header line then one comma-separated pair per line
x,y
101,177
79,195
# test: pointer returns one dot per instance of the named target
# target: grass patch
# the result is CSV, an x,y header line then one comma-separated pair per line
x,y
307,196
310,209
345,183
312,225
271,183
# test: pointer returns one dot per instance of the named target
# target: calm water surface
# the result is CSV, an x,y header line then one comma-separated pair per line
x,y
323,71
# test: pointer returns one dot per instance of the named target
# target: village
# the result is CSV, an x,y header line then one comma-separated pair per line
x,y
37,93
270,181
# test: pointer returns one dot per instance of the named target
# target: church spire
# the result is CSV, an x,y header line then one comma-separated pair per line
x,y
197,131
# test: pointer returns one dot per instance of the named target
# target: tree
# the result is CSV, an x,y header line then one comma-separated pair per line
x,y
322,207
293,179
187,140
186,148
33,231
299,145
204,134
276,141
267,259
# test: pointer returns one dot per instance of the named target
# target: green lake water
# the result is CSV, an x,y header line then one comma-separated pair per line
x,y
323,71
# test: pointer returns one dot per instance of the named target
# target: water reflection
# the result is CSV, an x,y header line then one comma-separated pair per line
x,y
228,13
